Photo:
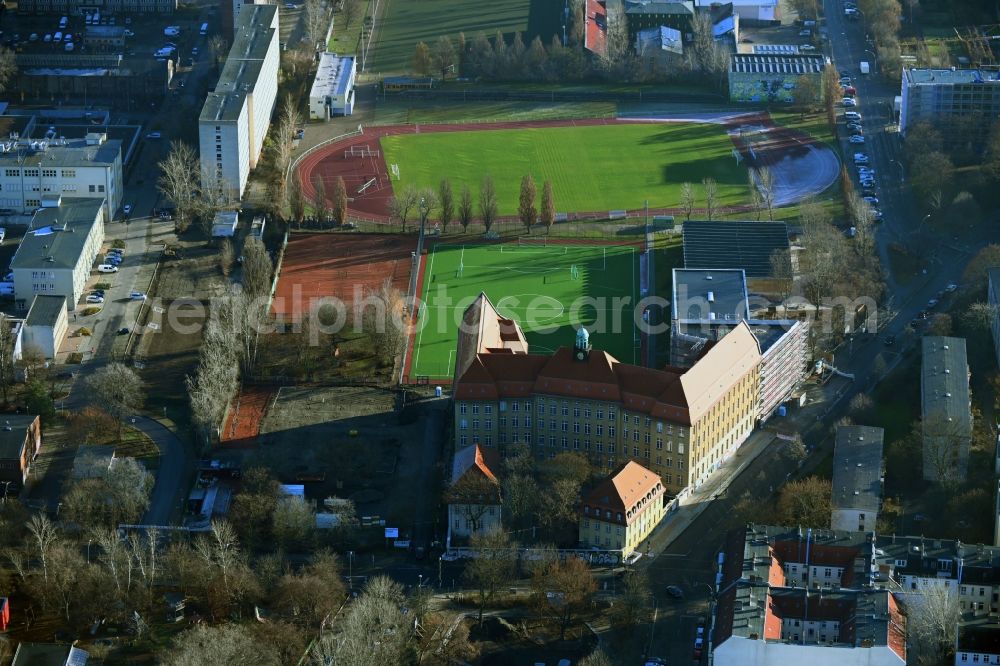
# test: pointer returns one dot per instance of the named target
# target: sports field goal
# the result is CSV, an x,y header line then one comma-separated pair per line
x,y
532,242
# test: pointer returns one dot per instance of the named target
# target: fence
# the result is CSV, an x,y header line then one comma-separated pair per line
x,y
639,96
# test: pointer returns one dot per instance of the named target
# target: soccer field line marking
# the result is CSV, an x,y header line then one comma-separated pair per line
x,y
450,370
420,313
531,271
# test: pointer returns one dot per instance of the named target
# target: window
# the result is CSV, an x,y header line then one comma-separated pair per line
x,y
527,421
552,441
659,426
100,188
31,173
600,430
463,424
565,409
565,426
475,424
659,443
69,173
635,420
503,421
611,431
564,442
576,428
600,413
488,424
49,173
541,408
463,440
92,188
475,409
586,413
611,414
515,406
576,411
552,409
503,405
513,421
12,172
488,440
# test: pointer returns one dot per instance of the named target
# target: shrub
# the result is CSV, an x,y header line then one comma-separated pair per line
x,y
89,311
102,285
84,332
119,244
74,358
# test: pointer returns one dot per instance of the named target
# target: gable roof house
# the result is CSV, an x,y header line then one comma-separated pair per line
x,y
473,493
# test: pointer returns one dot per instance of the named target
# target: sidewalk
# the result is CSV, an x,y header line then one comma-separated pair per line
x,y
692,505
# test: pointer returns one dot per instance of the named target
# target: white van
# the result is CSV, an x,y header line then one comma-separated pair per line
x,y
204,28
107,268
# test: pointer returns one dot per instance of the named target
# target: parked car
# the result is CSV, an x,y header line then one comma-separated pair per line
x,y
107,268
807,47
877,215
951,287
931,303
33,37
849,101
872,200
47,38
857,128
154,135
857,138
299,133
675,592
94,298
850,90
137,296
124,330
852,115
845,80
127,209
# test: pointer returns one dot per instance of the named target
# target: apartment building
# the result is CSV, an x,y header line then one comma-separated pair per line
x,y
708,303
978,642
793,596
946,408
993,298
332,92
57,253
679,423
857,478
20,442
959,102
237,114
32,169
622,510
46,325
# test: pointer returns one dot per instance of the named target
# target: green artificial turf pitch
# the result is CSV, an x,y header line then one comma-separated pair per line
x,y
592,168
550,290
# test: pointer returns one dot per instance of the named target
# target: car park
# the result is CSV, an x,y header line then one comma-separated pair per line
x,y
857,138
94,298
68,37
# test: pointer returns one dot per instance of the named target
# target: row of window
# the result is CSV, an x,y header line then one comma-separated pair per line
x,y
554,409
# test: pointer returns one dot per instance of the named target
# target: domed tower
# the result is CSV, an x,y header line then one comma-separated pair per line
x,y
581,348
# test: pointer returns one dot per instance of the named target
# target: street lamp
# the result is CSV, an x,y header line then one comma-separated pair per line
x,y
874,59
350,568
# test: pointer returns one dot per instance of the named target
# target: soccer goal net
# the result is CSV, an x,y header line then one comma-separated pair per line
x,y
532,242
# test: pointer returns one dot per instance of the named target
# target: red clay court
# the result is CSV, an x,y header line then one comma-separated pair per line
x,y
245,415
336,265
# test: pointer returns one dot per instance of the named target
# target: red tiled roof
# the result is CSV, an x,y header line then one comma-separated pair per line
x,y
483,461
595,36
897,629
820,555
622,490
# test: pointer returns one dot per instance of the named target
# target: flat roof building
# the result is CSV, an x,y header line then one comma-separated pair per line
x,y
946,408
745,245
332,92
236,116
71,168
57,252
857,478
771,77
958,102
46,324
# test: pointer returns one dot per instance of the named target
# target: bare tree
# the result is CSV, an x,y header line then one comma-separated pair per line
x,y
687,199
350,11
293,521
118,389
339,201
378,612
596,658
618,46
257,268
423,61
765,185
317,21
320,203
444,55
446,204
218,46
296,199
932,621
178,182
7,342
402,204
548,210
755,198
526,209
215,381
493,566
45,535
566,587
8,67
427,202
226,257
384,321
711,196
222,644
288,122
465,208
488,202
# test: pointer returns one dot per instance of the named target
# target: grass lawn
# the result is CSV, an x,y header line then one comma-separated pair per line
x,y
594,168
535,285
344,40
407,22
420,111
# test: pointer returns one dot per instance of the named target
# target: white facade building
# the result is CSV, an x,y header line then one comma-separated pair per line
x,y
332,92
236,116
32,169
46,325
752,10
57,252
857,478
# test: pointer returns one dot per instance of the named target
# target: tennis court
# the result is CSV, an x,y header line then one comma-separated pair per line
x,y
549,289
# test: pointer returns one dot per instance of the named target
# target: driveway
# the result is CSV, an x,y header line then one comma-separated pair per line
x,y
175,462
